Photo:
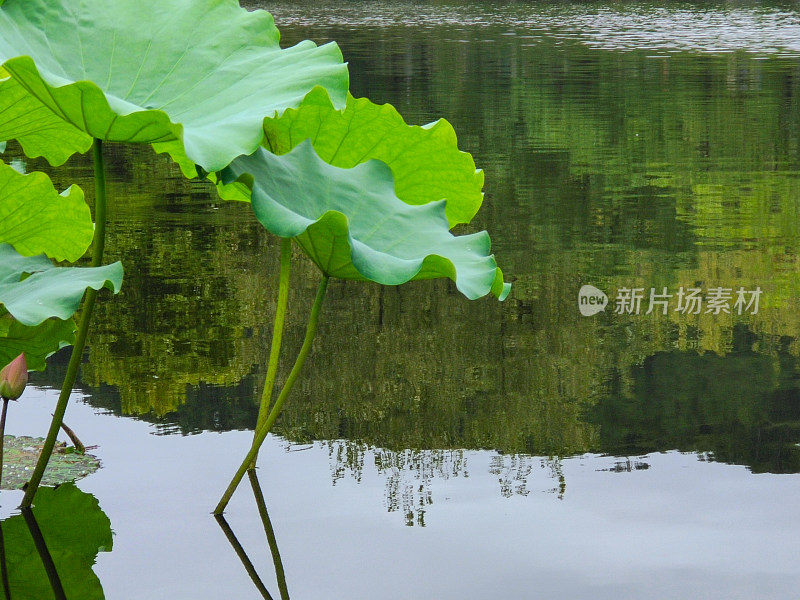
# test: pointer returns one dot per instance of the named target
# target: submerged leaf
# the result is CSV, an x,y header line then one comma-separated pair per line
x,y
425,161
353,226
36,219
203,72
49,291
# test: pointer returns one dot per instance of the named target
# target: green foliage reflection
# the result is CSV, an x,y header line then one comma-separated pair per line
x,y
610,168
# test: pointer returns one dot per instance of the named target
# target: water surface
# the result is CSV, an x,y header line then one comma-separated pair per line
x,y
440,448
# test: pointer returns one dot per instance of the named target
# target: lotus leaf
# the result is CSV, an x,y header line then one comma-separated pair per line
x,y
38,129
21,452
49,291
36,219
74,528
203,72
37,342
425,161
353,226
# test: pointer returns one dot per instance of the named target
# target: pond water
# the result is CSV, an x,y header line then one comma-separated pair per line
x,y
441,448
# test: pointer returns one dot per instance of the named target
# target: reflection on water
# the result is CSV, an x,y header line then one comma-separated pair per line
x,y
605,166
410,475
740,409
49,552
266,522
700,529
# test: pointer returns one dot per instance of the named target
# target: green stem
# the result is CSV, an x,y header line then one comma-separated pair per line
x,y
100,202
261,434
277,334
3,435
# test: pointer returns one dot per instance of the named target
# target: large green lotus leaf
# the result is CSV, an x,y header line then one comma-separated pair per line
x,y
204,72
37,342
425,161
49,291
74,528
353,226
36,219
38,129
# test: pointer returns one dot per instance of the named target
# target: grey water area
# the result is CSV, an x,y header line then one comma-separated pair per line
x,y
678,529
437,448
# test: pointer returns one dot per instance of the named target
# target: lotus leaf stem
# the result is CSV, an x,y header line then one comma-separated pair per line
x,y
277,335
261,434
83,327
76,441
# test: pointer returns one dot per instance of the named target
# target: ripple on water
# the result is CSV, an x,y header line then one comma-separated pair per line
x,y
709,29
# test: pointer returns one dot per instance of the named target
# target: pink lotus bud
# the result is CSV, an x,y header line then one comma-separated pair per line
x,y
14,378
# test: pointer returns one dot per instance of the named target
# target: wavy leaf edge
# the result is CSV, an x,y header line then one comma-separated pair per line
x,y
291,224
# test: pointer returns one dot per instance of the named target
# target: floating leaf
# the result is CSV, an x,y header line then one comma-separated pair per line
x,y
36,219
21,453
74,528
203,72
353,226
37,342
49,291
425,161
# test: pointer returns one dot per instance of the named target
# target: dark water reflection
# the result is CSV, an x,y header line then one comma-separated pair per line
x,y
612,158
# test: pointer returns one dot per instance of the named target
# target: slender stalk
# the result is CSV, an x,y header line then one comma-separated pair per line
x,y
270,532
76,441
277,335
261,434
100,202
3,435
